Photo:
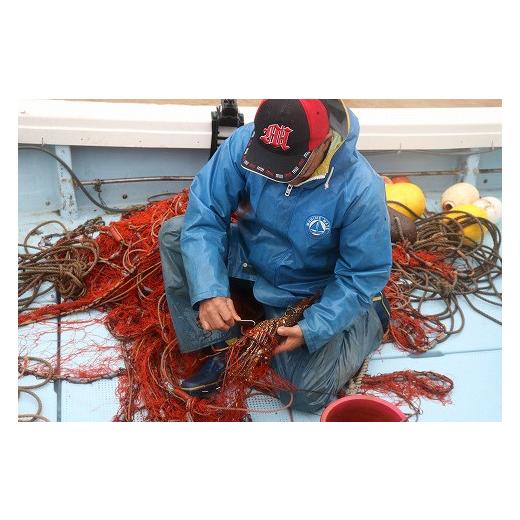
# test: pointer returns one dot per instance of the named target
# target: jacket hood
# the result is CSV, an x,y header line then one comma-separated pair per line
x,y
343,121
338,116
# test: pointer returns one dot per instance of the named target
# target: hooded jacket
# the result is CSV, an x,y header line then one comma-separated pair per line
x,y
330,235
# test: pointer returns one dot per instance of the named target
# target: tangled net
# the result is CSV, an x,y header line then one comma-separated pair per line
x,y
405,386
116,268
126,283
440,266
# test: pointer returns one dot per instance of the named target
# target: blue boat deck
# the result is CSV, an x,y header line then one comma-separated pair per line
x,y
472,358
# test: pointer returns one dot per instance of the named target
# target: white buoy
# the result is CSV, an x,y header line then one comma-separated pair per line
x,y
461,193
493,207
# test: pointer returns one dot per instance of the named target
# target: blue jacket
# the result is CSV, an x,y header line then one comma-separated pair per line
x,y
329,235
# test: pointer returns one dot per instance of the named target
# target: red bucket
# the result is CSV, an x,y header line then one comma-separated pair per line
x,y
362,408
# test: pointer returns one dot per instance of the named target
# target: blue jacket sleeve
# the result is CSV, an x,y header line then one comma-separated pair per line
x,y
214,195
361,271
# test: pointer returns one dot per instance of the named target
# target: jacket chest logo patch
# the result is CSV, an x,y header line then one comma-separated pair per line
x,y
317,226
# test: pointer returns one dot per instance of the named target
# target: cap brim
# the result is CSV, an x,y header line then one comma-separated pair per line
x,y
275,166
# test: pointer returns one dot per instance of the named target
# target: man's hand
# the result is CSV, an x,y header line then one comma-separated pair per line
x,y
294,339
217,314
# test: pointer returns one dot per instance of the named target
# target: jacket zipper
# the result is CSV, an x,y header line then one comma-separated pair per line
x,y
329,177
288,190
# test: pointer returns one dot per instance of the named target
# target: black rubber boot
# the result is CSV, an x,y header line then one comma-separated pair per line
x,y
209,376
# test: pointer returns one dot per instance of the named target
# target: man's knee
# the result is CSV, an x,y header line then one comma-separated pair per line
x,y
170,232
312,401
314,388
319,377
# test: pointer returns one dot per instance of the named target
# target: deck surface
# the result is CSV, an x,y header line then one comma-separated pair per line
x,y
471,358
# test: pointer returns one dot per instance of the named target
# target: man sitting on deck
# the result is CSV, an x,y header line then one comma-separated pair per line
x,y
312,218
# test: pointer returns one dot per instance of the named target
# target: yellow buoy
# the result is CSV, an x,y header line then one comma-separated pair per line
x,y
472,231
408,194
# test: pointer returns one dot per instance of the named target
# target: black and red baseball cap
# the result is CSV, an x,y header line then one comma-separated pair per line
x,y
286,132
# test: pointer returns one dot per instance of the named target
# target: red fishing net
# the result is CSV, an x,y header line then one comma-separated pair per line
x,y
126,284
408,386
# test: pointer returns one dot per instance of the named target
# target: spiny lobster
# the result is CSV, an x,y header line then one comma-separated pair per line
x,y
255,348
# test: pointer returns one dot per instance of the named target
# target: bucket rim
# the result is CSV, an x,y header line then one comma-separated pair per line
x,y
361,397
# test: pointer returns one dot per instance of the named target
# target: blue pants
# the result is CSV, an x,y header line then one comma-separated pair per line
x,y
318,376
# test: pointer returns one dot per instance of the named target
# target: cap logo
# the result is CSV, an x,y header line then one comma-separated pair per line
x,y
276,135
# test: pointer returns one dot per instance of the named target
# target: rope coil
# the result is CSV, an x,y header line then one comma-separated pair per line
x,y
23,364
